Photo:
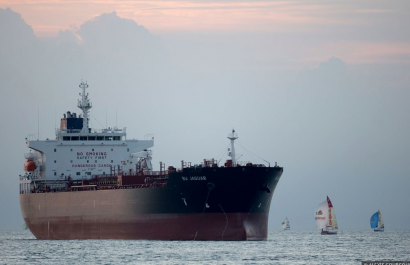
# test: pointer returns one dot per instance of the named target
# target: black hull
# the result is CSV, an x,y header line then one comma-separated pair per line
x,y
230,203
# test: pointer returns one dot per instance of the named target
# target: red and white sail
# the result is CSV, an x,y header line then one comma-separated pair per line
x,y
325,216
332,222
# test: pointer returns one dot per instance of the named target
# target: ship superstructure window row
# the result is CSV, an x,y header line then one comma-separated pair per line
x,y
92,138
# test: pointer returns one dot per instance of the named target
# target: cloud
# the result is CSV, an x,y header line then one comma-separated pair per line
x,y
332,68
68,36
122,45
374,11
109,29
13,29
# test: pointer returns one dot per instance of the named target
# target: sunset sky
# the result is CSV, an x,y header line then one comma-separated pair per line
x,y
360,31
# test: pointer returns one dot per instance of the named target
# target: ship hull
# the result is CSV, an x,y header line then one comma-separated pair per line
x,y
155,227
196,204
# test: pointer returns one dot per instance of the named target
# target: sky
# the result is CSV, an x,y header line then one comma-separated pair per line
x,y
321,87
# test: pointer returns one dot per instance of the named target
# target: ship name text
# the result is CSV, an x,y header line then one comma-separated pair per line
x,y
193,178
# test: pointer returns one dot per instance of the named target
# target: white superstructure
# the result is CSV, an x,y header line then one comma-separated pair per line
x,y
80,152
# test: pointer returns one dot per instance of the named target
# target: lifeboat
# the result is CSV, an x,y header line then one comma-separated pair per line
x,y
29,165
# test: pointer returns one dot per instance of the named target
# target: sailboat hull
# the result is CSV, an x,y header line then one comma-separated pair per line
x,y
329,233
379,229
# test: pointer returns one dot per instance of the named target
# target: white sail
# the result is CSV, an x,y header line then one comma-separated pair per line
x,y
321,215
380,224
285,224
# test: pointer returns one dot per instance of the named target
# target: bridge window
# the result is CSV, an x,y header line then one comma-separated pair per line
x,y
55,173
108,138
100,138
74,138
78,173
91,138
117,138
83,138
66,138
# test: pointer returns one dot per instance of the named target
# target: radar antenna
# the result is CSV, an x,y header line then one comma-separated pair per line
x,y
85,105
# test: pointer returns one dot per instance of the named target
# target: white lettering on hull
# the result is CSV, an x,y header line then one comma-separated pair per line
x,y
193,178
91,165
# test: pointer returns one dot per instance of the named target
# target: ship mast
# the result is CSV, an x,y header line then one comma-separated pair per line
x,y
85,105
233,136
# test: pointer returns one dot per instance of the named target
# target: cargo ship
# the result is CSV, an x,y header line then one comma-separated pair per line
x,y
97,184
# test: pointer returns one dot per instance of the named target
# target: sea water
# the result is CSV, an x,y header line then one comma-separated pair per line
x,y
282,247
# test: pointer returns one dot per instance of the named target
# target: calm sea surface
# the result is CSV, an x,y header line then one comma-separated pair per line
x,y
282,247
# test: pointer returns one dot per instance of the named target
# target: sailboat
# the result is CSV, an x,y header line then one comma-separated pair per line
x,y
285,224
325,218
376,222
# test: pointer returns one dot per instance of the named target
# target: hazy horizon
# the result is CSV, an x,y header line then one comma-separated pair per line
x,y
323,89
